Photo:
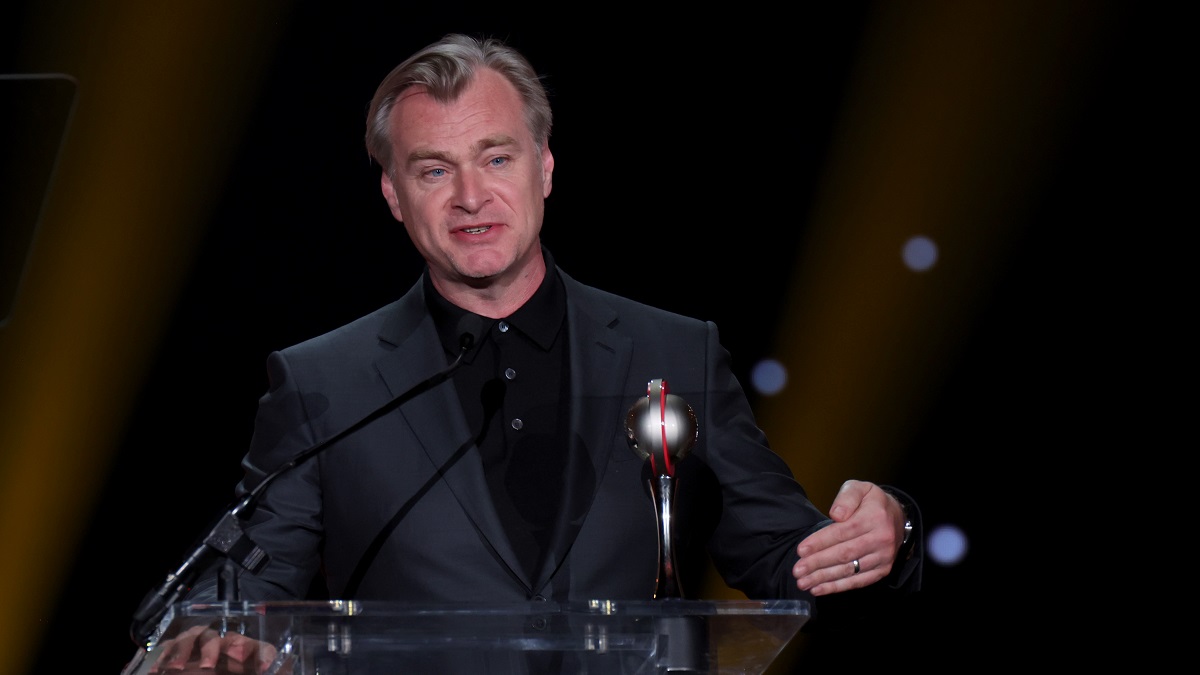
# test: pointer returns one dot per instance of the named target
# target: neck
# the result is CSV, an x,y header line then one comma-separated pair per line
x,y
495,297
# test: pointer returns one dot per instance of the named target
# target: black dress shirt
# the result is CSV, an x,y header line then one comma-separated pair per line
x,y
514,391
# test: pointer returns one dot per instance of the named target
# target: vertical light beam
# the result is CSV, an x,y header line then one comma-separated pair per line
x,y
162,91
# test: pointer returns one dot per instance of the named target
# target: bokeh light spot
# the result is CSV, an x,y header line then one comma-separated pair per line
x,y
768,377
920,253
946,545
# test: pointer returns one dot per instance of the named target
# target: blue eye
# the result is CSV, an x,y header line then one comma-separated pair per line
x,y
499,161
437,173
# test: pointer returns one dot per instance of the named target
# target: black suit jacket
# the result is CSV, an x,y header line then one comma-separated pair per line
x,y
399,508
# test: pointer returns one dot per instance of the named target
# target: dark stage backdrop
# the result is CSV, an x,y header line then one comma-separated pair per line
x,y
762,169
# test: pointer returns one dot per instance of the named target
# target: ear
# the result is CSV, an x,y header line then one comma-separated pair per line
x,y
547,171
389,195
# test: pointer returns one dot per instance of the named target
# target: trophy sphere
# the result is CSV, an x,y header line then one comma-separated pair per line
x,y
659,419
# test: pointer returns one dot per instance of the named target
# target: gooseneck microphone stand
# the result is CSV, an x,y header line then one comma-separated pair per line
x,y
227,537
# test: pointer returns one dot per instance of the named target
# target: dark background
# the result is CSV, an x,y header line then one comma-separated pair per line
x,y
662,194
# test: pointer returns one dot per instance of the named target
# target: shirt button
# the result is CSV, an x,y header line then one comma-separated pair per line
x,y
503,325
517,423
510,374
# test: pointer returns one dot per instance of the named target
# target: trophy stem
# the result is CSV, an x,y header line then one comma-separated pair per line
x,y
667,585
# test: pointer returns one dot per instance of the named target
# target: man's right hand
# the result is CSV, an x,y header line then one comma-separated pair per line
x,y
203,649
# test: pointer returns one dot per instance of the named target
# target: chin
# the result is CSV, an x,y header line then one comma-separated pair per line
x,y
486,264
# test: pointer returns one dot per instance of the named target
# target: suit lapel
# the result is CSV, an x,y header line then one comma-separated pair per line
x,y
438,423
599,363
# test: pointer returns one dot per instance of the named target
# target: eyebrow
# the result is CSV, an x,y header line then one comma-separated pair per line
x,y
478,148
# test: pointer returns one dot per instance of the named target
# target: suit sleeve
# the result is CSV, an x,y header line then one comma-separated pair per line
x,y
765,511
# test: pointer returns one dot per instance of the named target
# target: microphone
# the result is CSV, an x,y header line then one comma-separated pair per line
x,y
227,537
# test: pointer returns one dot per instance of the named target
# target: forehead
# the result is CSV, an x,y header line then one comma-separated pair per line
x,y
488,106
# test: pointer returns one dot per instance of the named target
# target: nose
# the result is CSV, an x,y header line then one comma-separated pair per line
x,y
471,192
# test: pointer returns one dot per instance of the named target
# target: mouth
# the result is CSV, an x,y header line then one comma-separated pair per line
x,y
476,230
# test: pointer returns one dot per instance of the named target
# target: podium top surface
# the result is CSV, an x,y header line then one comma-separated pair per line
x,y
596,636
614,608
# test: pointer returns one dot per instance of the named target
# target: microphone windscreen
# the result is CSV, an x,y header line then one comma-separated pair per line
x,y
470,327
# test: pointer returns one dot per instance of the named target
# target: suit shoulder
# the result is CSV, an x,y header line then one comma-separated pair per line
x,y
627,310
347,338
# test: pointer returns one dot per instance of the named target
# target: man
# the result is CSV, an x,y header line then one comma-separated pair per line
x,y
513,479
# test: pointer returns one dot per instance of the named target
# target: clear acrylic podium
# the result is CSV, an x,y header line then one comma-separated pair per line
x,y
593,637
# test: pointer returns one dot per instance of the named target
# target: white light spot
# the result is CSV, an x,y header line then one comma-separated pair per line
x,y
920,253
946,545
768,377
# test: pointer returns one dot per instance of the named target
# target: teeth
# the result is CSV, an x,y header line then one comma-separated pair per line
x,y
475,230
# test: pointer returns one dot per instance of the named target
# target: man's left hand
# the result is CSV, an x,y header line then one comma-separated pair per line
x,y
860,546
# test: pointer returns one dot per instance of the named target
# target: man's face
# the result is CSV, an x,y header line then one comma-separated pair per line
x,y
468,181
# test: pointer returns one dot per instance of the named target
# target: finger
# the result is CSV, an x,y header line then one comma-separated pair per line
x,y
825,539
811,574
242,650
250,655
820,565
849,497
843,577
267,656
210,650
828,555
175,651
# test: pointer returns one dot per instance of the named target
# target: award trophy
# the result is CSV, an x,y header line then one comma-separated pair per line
x,y
662,429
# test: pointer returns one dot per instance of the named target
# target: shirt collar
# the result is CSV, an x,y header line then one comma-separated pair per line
x,y
540,318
